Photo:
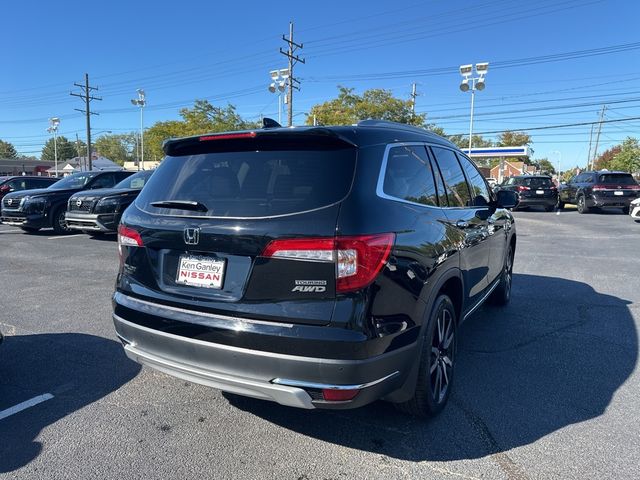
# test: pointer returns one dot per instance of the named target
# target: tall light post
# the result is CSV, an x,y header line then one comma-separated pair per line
x,y
141,101
54,122
559,158
473,83
279,81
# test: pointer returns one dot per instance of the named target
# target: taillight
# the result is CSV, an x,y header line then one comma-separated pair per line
x,y
522,188
599,188
358,259
129,238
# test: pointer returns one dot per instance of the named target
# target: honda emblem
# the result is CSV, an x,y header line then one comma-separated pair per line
x,y
192,235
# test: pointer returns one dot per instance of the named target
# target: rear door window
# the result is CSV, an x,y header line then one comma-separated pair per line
x,y
454,179
538,182
408,175
250,183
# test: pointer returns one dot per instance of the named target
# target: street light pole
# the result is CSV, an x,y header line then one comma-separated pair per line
x,y
141,101
53,128
473,83
279,81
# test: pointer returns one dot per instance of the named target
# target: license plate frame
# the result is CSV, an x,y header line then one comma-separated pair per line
x,y
201,271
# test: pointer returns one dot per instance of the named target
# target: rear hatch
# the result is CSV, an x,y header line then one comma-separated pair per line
x,y
213,206
536,187
617,187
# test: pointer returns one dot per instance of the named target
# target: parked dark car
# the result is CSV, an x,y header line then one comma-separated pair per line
x,y
318,267
532,190
45,208
602,189
99,211
18,183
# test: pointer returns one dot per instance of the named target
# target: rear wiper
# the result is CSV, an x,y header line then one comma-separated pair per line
x,y
181,205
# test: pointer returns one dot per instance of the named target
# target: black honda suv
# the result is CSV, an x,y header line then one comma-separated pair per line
x,y
32,210
602,189
318,267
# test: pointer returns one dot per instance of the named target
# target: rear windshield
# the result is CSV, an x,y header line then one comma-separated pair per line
x,y
533,182
617,178
250,184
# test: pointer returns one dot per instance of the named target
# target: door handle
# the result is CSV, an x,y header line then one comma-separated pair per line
x,y
462,224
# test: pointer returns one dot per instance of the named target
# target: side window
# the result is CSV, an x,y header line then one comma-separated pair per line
x,y
578,178
104,181
121,176
455,183
409,177
17,184
588,178
480,195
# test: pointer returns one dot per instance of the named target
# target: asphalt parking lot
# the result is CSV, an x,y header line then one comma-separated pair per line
x,y
546,388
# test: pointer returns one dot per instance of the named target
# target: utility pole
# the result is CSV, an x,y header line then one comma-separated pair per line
x,y
293,59
87,97
414,94
595,150
590,140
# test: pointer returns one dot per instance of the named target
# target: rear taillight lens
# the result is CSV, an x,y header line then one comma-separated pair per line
x,y
129,238
522,188
358,259
599,188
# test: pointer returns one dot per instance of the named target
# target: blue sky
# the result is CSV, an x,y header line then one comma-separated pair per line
x,y
223,51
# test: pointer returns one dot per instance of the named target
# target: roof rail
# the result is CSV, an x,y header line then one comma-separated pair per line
x,y
389,124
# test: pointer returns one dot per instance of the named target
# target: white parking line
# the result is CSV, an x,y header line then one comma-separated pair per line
x,y
66,236
24,405
11,231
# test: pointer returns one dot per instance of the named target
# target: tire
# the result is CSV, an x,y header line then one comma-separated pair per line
x,y
502,294
58,222
437,362
625,210
582,205
29,229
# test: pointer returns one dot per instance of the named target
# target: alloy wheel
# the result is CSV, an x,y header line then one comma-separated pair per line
x,y
442,355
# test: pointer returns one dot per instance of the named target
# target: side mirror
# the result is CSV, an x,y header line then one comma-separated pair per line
x,y
506,199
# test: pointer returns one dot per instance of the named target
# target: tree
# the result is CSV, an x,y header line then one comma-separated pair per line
x,y
66,149
628,159
513,139
603,161
349,108
545,166
7,150
118,148
462,141
202,118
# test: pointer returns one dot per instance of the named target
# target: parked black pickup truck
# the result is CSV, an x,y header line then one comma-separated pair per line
x,y
32,210
99,211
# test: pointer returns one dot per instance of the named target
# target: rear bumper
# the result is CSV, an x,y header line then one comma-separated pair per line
x,y
91,221
291,380
609,202
532,201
